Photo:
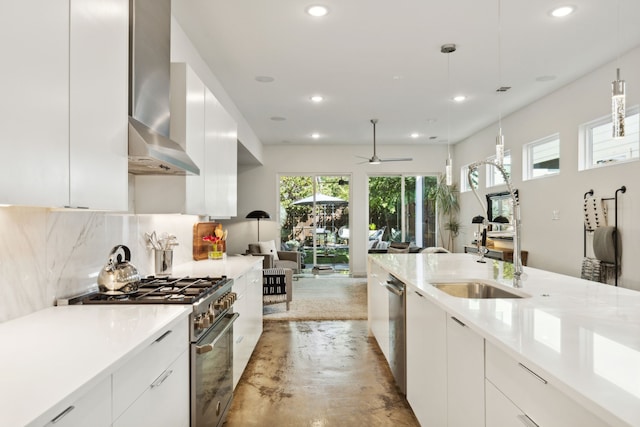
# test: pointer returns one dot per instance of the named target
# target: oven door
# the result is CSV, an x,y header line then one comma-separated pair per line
x,y
212,374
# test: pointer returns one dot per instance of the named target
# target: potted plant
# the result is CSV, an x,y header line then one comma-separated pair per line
x,y
447,205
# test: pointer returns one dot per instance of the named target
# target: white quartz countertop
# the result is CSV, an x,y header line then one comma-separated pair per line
x,y
231,266
54,356
582,336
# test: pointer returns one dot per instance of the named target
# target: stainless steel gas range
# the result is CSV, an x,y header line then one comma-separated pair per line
x,y
211,335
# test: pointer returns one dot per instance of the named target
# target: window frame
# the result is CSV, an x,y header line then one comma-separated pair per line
x,y
464,182
491,171
528,160
585,132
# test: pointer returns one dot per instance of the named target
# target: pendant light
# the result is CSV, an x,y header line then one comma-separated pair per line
x,y
501,89
617,94
448,168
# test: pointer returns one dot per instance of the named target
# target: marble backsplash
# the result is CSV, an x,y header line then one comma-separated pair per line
x,y
48,254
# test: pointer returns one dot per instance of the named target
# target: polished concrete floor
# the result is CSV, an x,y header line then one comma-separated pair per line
x,y
318,374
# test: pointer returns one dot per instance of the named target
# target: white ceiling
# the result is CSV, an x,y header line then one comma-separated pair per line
x,y
381,59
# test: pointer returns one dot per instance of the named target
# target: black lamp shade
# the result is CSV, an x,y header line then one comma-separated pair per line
x,y
258,215
477,219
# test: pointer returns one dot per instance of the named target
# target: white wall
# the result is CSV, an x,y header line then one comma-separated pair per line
x,y
557,245
258,187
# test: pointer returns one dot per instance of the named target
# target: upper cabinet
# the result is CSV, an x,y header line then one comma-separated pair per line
x,y
221,159
208,134
64,103
99,77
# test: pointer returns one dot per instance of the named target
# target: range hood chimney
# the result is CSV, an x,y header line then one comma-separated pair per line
x,y
151,151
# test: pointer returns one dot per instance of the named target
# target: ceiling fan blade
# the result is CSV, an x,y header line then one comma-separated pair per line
x,y
399,159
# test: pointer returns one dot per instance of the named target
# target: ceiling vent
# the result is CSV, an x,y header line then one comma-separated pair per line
x,y
503,88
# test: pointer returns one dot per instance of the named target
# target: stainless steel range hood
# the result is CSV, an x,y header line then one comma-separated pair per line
x,y
151,151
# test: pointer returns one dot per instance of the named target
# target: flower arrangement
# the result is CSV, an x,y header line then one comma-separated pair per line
x,y
216,240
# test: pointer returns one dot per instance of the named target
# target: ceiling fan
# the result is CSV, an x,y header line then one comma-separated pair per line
x,y
375,160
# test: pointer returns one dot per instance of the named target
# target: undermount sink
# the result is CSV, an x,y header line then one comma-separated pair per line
x,y
475,289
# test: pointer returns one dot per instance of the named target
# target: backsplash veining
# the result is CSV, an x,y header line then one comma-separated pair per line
x,y
47,254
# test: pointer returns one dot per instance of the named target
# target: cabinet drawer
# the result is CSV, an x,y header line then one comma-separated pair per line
x,y
164,405
130,381
92,409
529,391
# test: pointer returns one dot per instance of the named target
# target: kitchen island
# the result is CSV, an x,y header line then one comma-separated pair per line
x,y
578,340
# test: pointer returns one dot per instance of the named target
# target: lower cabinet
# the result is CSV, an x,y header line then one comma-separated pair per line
x,y
248,327
537,401
501,412
426,360
378,306
165,403
153,388
92,409
465,374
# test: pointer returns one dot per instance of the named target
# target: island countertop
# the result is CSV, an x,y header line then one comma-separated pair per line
x,y
583,336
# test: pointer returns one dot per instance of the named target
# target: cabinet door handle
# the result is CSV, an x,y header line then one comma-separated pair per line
x,y
419,294
239,339
163,336
161,379
524,419
62,414
457,321
533,373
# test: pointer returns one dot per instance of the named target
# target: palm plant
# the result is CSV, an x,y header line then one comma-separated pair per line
x,y
447,205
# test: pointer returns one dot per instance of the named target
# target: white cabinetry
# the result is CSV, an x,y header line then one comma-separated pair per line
x,y
92,409
465,373
221,159
542,403
501,412
378,306
426,360
153,388
98,104
248,327
64,103
209,136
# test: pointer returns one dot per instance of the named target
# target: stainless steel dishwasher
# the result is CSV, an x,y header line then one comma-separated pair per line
x,y
397,331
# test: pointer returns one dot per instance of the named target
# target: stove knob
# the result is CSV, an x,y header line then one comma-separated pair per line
x,y
212,317
198,322
206,321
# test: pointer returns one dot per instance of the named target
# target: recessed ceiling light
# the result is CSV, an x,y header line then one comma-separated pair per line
x,y
315,135
264,79
459,98
317,10
316,98
562,11
278,119
415,135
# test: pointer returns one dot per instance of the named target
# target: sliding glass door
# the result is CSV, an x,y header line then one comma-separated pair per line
x,y
400,211
314,215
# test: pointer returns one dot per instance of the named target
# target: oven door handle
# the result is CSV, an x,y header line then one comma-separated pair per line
x,y
205,348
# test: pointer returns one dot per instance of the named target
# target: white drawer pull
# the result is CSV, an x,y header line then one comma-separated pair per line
x,y
161,379
532,373
62,414
239,339
524,419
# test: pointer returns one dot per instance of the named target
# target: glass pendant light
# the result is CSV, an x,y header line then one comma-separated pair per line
x,y
448,168
618,96
501,89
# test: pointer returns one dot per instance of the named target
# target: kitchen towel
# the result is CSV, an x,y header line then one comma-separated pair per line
x,y
595,213
604,245
598,271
